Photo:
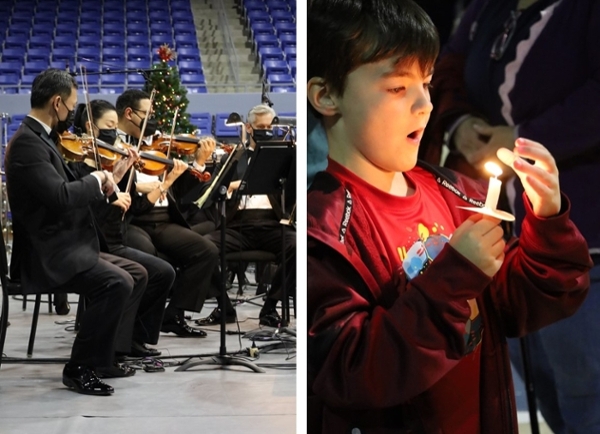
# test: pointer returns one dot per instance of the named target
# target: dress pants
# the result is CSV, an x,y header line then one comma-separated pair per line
x,y
263,235
195,255
161,276
113,288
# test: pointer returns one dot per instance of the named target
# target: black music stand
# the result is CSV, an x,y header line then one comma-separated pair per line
x,y
217,194
268,173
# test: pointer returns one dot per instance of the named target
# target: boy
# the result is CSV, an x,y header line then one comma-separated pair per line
x,y
410,298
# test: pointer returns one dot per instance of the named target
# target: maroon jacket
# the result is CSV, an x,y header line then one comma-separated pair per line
x,y
376,342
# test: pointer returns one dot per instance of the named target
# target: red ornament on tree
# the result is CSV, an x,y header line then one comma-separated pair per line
x,y
165,53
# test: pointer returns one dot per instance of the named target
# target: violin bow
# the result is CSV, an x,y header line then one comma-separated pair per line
x,y
88,109
139,145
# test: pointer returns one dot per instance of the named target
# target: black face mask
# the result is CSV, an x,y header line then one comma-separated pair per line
x,y
64,125
151,125
262,135
107,135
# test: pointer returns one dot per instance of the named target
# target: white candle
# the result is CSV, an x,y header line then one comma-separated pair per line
x,y
491,201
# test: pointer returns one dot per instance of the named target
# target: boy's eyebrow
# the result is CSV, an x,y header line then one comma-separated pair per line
x,y
403,73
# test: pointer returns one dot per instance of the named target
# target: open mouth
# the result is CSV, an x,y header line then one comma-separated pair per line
x,y
416,135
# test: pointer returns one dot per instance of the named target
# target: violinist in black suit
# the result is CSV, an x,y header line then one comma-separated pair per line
x,y
253,222
163,229
56,244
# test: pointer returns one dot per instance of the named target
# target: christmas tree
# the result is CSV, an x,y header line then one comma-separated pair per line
x,y
169,94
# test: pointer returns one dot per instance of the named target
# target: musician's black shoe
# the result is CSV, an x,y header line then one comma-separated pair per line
x,y
215,318
178,326
269,318
139,349
83,379
115,371
61,304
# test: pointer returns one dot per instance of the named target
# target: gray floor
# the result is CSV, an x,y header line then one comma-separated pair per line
x,y
205,399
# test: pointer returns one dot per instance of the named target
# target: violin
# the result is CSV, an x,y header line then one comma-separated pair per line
x,y
154,162
184,144
76,148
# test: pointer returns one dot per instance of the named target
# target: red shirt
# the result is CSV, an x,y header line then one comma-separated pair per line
x,y
413,230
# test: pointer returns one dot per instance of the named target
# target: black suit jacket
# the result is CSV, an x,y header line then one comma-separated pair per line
x,y
54,233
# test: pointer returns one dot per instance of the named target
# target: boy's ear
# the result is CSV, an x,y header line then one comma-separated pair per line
x,y
319,95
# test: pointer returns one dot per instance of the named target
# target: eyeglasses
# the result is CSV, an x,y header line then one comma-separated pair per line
x,y
501,43
143,111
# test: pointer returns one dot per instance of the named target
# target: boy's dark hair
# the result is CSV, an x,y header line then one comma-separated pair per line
x,y
130,98
49,83
345,34
98,106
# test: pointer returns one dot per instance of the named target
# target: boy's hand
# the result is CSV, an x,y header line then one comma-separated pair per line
x,y
540,179
480,240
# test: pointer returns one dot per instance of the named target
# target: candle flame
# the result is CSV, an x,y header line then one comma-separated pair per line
x,y
493,168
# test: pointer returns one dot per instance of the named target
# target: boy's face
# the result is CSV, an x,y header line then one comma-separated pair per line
x,y
383,113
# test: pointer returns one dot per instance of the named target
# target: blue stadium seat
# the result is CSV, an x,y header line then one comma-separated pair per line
x,y
113,55
137,41
112,90
89,53
283,89
66,54
113,79
179,17
37,54
292,64
190,67
68,41
287,40
254,5
16,42
188,54
159,17
257,17
158,40
43,31
290,53
58,64
203,121
8,90
277,5
283,27
137,29
113,30
277,80
133,64
191,79
184,29
69,31
270,53
9,79
141,54
263,41
113,42
14,55
96,32
27,79
221,130
275,67
116,20
261,28
186,41
88,41
34,67
10,68
282,16
136,80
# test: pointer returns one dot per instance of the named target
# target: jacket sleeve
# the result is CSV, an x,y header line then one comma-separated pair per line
x,y
366,353
33,169
545,276
570,128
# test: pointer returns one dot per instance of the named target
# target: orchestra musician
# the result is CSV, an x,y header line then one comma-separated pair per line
x,y
163,229
254,223
56,245
109,217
